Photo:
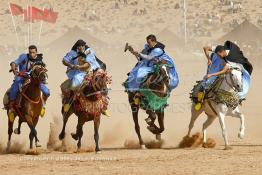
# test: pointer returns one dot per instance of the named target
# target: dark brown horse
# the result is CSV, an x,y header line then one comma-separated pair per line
x,y
29,105
89,103
157,83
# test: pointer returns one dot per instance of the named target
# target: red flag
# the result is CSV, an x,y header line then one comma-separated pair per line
x,y
50,16
16,9
33,13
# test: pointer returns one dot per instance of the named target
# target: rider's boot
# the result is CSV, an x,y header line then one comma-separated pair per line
x,y
11,111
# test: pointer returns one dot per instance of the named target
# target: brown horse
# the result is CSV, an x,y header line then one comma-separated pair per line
x,y
89,103
29,105
157,83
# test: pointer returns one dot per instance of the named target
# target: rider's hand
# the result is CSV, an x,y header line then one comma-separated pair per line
x,y
76,67
15,72
209,62
209,75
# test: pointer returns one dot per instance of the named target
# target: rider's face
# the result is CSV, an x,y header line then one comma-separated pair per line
x,y
81,49
33,53
222,54
151,43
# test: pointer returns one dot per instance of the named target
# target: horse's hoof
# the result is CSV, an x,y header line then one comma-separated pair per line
x,y
158,137
16,131
204,145
143,146
61,136
74,136
148,121
38,145
98,152
228,148
151,129
241,135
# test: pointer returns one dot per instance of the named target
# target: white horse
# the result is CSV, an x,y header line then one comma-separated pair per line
x,y
231,81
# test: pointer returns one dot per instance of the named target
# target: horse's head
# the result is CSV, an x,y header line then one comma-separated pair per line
x,y
234,77
159,80
98,81
39,74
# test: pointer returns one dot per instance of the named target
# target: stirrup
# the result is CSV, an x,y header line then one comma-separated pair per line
x,y
66,107
42,113
198,106
106,113
11,116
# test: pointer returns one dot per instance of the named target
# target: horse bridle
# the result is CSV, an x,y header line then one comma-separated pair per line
x,y
232,85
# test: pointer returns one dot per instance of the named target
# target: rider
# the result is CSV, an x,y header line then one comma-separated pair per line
x,y
152,51
232,53
216,66
76,72
21,68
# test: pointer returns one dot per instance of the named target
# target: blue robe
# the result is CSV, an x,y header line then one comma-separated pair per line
x,y
217,65
77,76
144,67
23,66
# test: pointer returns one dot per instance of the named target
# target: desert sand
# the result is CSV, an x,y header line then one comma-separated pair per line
x,y
107,27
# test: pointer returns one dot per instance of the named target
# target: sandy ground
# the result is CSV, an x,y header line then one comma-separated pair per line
x,y
115,27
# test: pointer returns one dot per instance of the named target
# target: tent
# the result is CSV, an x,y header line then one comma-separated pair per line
x,y
171,40
245,33
67,40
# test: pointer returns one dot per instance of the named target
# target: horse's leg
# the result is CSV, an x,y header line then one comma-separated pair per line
x,y
35,121
18,129
96,135
79,131
161,124
66,115
33,133
135,110
151,117
194,115
10,132
208,122
236,113
151,122
221,117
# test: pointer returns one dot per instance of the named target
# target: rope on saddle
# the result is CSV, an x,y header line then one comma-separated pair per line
x,y
231,99
151,101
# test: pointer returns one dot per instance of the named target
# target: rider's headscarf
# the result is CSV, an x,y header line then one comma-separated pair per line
x,y
80,42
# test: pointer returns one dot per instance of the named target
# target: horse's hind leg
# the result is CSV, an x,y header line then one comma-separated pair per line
x,y
10,132
96,135
194,115
236,113
66,115
18,129
79,131
208,122
137,127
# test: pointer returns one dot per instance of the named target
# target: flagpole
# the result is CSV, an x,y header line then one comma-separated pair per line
x,y
13,20
40,32
28,26
31,23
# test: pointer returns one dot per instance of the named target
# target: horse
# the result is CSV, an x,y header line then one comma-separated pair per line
x,y
88,104
156,84
29,104
229,83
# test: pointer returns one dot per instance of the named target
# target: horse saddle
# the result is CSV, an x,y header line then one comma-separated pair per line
x,y
18,99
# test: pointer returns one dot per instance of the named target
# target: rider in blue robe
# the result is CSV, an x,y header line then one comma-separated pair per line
x,y
23,64
152,52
